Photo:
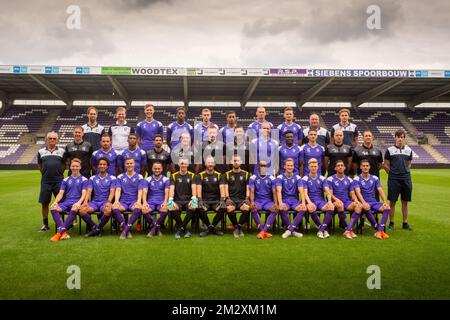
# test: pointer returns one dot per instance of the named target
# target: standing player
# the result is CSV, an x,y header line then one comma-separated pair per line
x,y
201,128
92,130
263,196
81,150
227,132
235,184
73,189
147,129
289,150
99,197
323,136
210,197
176,128
398,167
133,151
311,150
158,154
291,126
51,165
290,197
182,197
120,131
105,152
155,196
365,187
255,127
344,198
337,151
350,129
367,151
128,197
265,148
315,185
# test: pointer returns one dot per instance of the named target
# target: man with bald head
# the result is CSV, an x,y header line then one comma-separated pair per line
x,y
255,127
338,151
323,136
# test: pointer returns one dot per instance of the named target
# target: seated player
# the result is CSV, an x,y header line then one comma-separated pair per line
x,y
314,186
365,188
154,198
99,197
182,197
263,197
290,197
128,197
210,197
73,189
344,198
235,184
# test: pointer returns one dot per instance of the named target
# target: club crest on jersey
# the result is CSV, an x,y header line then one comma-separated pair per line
x,y
180,181
215,179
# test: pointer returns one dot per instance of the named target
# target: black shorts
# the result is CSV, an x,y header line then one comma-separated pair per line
x,y
238,203
210,205
182,205
47,189
398,187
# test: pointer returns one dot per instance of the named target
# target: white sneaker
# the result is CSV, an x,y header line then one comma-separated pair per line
x,y
307,226
297,234
326,234
347,235
286,234
320,234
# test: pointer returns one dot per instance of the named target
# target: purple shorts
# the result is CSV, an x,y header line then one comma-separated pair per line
x,y
155,205
292,203
97,205
66,206
374,205
319,204
127,204
347,203
264,205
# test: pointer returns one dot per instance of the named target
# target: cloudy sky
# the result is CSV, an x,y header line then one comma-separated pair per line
x,y
234,33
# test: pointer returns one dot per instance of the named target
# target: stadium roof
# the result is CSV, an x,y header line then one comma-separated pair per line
x,y
69,83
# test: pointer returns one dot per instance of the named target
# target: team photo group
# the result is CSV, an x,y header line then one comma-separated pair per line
x,y
263,174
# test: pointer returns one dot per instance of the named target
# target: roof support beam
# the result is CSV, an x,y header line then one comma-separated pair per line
x,y
120,89
186,91
52,88
313,91
427,96
375,92
249,91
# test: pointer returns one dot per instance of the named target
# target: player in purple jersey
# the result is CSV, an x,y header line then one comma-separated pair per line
x,y
344,198
314,186
128,197
255,127
105,152
366,185
73,189
99,198
176,128
155,196
147,129
227,132
265,148
133,151
311,150
291,126
289,150
290,197
201,128
263,196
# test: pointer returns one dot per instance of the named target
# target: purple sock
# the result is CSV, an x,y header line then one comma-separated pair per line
x,y
298,218
134,216
353,221
149,219
88,219
118,216
57,218
257,219
161,218
284,218
316,219
383,221
371,219
99,216
326,220
70,219
342,219
269,221
103,220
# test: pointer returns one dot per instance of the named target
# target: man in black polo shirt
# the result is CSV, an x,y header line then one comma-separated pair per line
x,y
212,147
238,146
79,149
369,152
92,130
338,151
158,154
397,163
51,165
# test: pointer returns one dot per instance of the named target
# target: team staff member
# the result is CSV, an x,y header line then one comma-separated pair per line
x,y
120,131
368,151
92,130
337,151
158,154
350,129
51,165
323,136
79,149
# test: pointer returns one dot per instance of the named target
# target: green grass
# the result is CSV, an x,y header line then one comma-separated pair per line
x,y
414,265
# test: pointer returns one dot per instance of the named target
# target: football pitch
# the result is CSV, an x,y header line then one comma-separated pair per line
x,y
413,265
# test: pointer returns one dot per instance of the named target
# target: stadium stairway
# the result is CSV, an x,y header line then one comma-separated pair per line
x,y
435,154
48,122
29,154
406,123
